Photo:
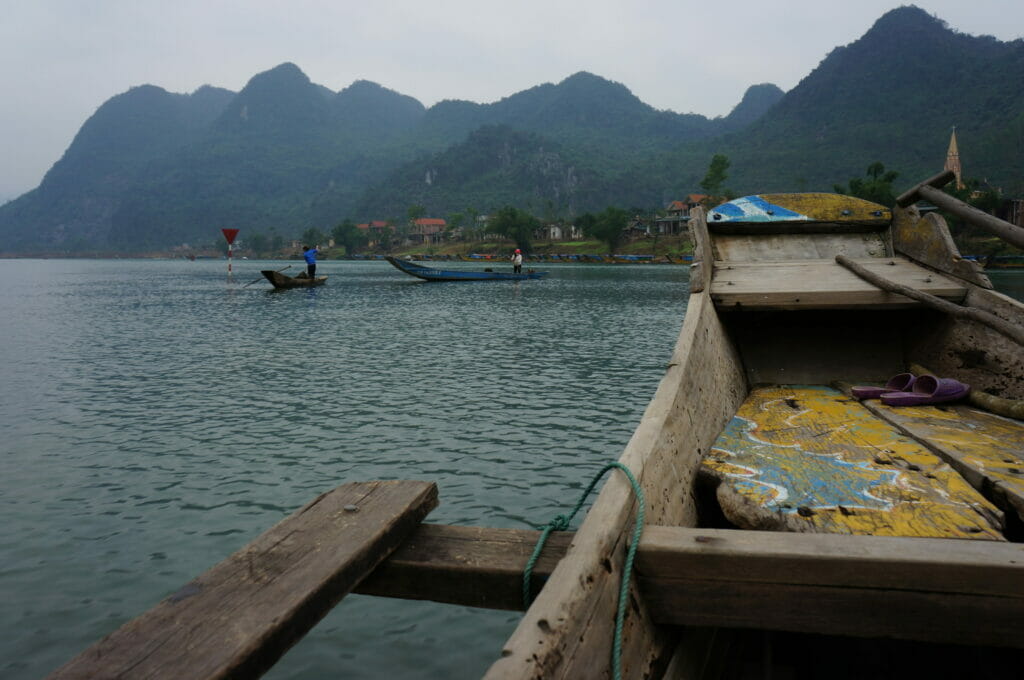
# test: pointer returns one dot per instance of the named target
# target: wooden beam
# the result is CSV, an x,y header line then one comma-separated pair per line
x,y
238,618
934,590
1010,330
822,284
470,566
931,190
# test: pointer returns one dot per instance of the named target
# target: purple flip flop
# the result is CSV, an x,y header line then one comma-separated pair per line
x,y
898,383
928,390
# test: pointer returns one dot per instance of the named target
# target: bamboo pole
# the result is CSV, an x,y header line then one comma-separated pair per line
x,y
930,190
1012,331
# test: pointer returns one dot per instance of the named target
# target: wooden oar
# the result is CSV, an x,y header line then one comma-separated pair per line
x,y
1010,330
261,278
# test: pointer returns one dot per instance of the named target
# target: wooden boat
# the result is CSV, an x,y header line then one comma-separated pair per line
x,y
748,432
280,280
431,274
785,523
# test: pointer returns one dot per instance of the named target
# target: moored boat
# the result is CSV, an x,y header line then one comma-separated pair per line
x,y
753,428
279,280
432,274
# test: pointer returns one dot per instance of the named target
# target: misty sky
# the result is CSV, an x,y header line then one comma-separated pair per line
x,y
61,59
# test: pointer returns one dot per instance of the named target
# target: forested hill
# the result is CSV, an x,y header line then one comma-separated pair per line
x,y
892,96
152,170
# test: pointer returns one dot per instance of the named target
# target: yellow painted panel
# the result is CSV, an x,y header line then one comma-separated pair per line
x,y
988,449
811,459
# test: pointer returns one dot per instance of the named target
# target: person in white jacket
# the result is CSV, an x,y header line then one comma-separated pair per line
x,y
517,262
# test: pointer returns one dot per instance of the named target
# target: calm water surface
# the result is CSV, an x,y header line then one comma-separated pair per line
x,y
155,419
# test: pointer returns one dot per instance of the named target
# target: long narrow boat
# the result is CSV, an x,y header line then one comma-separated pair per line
x,y
432,274
752,429
280,280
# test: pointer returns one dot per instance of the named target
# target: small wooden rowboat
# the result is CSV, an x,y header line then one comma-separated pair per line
x,y
431,274
280,280
777,502
788,526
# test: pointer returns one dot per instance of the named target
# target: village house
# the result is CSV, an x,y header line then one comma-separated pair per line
x,y
559,232
374,231
677,214
427,230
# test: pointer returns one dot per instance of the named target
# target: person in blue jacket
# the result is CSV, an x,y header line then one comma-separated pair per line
x,y
310,255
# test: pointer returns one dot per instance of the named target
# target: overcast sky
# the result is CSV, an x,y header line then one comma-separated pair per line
x,y
61,59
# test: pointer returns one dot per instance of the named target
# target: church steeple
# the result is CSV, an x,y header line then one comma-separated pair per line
x,y
953,160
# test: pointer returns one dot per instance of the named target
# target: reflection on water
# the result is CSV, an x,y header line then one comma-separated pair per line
x,y
156,419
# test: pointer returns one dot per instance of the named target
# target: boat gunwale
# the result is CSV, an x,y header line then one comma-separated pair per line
x,y
559,633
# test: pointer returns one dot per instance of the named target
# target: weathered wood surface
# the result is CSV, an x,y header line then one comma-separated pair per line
x,y
703,259
795,247
797,212
823,284
1009,329
1010,233
959,592
868,586
974,353
986,449
567,632
238,618
809,459
927,240
471,566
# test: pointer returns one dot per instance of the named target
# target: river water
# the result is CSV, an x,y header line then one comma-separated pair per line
x,y
156,418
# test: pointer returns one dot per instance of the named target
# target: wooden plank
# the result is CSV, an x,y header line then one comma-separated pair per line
x,y
810,459
703,258
823,284
821,583
936,590
986,449
782,213
794,247
238,618
470,566
927,240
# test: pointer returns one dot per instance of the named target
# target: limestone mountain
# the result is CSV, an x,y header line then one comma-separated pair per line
x,y
153,170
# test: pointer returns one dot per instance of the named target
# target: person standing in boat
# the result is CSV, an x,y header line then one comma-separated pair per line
x,y
310,255
517,262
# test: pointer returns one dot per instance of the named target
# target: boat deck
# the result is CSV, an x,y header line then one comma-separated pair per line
x,y
809,458
824,284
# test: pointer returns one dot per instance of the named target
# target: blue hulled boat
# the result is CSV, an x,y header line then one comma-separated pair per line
x,y
431,274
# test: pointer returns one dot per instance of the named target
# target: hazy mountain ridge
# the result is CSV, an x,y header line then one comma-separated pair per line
x,y
152,169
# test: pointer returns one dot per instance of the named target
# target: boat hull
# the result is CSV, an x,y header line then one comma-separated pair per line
x,y
431,274
281,281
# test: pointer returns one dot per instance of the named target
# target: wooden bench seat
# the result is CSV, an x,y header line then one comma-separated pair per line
x,y
823,284
808,458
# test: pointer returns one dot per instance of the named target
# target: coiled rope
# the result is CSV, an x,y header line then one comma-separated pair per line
x,y
562,522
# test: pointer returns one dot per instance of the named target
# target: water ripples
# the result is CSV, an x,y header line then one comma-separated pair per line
x,y
158,419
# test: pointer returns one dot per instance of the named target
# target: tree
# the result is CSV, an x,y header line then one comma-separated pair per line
x,y
415,212
454,223
312,237
877,187
716,176
350,236
257,243
516,225
609,226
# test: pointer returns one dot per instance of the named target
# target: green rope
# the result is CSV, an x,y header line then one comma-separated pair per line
x,y
561,523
